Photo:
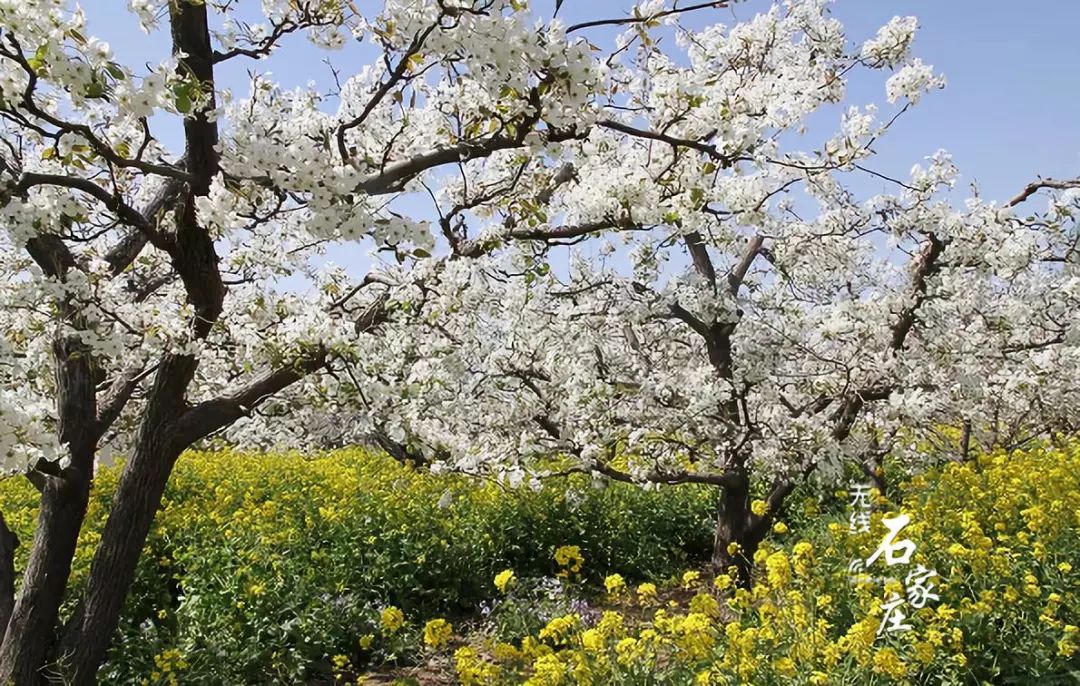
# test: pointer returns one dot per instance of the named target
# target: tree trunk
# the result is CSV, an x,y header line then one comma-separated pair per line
x,y
736,523
160,441
874,469
138,495
733,524
32,623
64,496
8,543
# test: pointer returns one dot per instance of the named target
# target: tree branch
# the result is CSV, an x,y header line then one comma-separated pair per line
x,y
121,255
8,543
126,213
213,415
384,88
575,230
716,4
1035,186
735,278
926,267
393,177
710,150
116,397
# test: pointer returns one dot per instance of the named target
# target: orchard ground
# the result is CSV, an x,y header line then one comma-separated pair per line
x,y
350,568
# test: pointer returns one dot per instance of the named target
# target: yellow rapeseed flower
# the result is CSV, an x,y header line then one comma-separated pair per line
x,y
615,584
437,633
548,670
705,604
560,629
569,559
778,571
887,661
391,619
646,592
505,580
472,670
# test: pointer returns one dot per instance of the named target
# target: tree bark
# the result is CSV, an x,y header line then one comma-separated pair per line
x,y
161,437
735,523
64,498
8,543
874,469
34,614
138,496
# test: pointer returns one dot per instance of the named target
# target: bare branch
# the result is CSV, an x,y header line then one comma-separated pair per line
x,y
735,278
1035,186
126,213
924,269
650,18
699,254
121,255
576,230
710,150
393,177
116,397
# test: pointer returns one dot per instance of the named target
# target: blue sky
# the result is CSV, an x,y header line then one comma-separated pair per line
x,y
1011,110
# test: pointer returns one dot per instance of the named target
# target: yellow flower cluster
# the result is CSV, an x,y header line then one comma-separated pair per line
x,y
569,559
1003,532
647,592
505,580
167,665
391,619
560,629
473,670
437,633
615,584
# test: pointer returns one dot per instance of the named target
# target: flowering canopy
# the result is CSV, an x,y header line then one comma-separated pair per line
x,y
725,302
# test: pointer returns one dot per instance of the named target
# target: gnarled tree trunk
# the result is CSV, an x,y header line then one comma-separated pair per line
x,y
8,543
64,492
138,496
736,524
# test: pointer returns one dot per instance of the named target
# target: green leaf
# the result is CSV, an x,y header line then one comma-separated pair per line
x,y
95,89
37,60
183,103
183,92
